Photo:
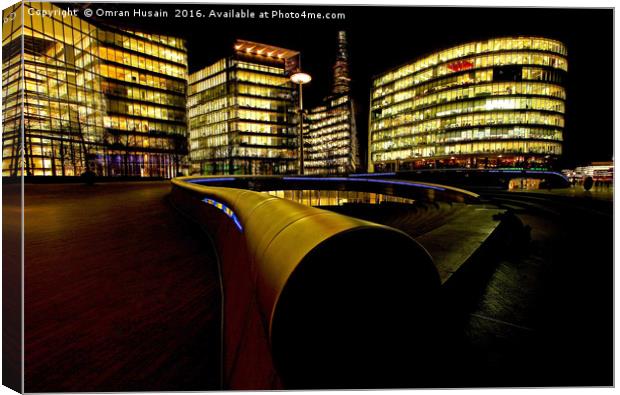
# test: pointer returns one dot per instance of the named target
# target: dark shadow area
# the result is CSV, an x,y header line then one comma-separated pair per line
x,y
359,312
462,295
533,307
536,307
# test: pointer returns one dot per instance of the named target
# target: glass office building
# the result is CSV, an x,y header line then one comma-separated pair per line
x,y
493,103
241,112
81,96
332,146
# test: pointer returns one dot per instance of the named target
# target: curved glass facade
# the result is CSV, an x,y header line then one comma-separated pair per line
x,y
493,103
78,96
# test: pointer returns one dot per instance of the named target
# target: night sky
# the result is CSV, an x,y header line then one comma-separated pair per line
x,y
381,38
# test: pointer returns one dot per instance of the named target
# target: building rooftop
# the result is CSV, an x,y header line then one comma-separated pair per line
x,y
254,48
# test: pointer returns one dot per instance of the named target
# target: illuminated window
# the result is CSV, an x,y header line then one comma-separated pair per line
x,y
458,95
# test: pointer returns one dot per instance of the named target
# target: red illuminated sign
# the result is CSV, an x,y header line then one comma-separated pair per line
x,y
460,65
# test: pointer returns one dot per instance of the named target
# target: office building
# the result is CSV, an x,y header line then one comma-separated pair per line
x,y
331,143
90,97
241,112
493,103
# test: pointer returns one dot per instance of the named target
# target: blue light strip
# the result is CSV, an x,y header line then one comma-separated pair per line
x,y
387,182
221,206
526,172
548,172
372,175
406,183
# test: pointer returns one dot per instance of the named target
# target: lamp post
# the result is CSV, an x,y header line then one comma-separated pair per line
x,y
300,79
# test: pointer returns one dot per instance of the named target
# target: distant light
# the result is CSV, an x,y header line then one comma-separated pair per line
x,y
301,78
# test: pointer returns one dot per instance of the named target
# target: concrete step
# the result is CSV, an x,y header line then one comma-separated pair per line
x,y
453,243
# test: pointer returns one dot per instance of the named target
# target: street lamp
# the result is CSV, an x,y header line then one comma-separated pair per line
x,y
300,78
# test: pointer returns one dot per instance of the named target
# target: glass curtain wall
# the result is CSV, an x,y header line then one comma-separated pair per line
x,y
95,98
332,141
242,113
494,103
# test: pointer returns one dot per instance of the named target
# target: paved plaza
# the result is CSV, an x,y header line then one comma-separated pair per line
x,y
121,294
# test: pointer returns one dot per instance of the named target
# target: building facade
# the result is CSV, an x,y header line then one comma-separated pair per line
x,y
90,97
332,145
493,103
241,112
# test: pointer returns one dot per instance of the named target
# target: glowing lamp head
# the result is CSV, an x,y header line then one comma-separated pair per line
x,y
301,78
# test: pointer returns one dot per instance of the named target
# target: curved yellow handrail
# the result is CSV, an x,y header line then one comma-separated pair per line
x,y
291,247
